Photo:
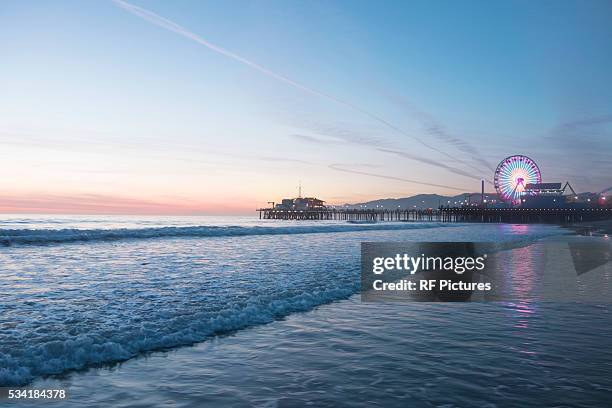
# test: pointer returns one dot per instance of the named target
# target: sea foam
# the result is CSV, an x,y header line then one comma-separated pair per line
x,y
64,353
9,237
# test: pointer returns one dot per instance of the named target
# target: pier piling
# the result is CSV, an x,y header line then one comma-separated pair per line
x,y
445,214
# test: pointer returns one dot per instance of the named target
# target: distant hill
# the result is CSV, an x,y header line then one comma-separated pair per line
x,y
420,201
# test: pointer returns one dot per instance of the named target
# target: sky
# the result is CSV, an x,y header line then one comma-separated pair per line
x,y
209,107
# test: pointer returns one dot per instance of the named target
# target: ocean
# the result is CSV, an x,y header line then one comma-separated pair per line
x,y
237,311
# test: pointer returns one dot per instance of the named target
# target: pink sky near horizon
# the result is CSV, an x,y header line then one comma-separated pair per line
x,y
90,204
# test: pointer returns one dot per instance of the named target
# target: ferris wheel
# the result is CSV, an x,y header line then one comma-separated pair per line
x,y
513,174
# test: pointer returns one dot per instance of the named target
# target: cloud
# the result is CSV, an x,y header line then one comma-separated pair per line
x,y
426,160
580,151
341,133
343,168
162,22
335,135
586,134
344,137
313,139
284,160
90,142
438,131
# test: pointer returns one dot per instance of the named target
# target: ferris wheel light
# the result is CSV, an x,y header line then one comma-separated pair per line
x,y
512,176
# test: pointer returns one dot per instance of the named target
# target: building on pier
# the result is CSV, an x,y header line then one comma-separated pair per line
x,y
548,195
301,203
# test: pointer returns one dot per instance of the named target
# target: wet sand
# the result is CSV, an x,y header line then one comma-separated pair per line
x,y
601,227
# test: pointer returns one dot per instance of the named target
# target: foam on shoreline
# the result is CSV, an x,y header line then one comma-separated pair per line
x,y
10,237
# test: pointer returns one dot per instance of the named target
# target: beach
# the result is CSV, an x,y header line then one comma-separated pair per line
x,y
275,319
601,227
421,355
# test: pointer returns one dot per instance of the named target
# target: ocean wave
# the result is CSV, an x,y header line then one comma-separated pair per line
x,y
72,307
10,237
62,354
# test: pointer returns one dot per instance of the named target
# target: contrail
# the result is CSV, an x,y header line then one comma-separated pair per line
x,y
339,167
425,160
172,26
400,153
438,131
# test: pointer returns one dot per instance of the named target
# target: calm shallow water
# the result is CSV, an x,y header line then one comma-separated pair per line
x,y
72,305
355,354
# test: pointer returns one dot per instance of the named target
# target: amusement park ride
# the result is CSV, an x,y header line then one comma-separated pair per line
x,y
513,175
518,182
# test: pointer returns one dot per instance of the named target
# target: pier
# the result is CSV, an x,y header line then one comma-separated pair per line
x,y
445,214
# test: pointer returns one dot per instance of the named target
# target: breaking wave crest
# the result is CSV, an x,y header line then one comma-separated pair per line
x,y
10,237
94,348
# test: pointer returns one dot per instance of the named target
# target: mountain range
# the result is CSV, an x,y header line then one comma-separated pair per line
x,y
422,201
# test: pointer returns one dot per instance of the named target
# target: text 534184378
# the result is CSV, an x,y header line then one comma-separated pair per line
x,y
32,393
